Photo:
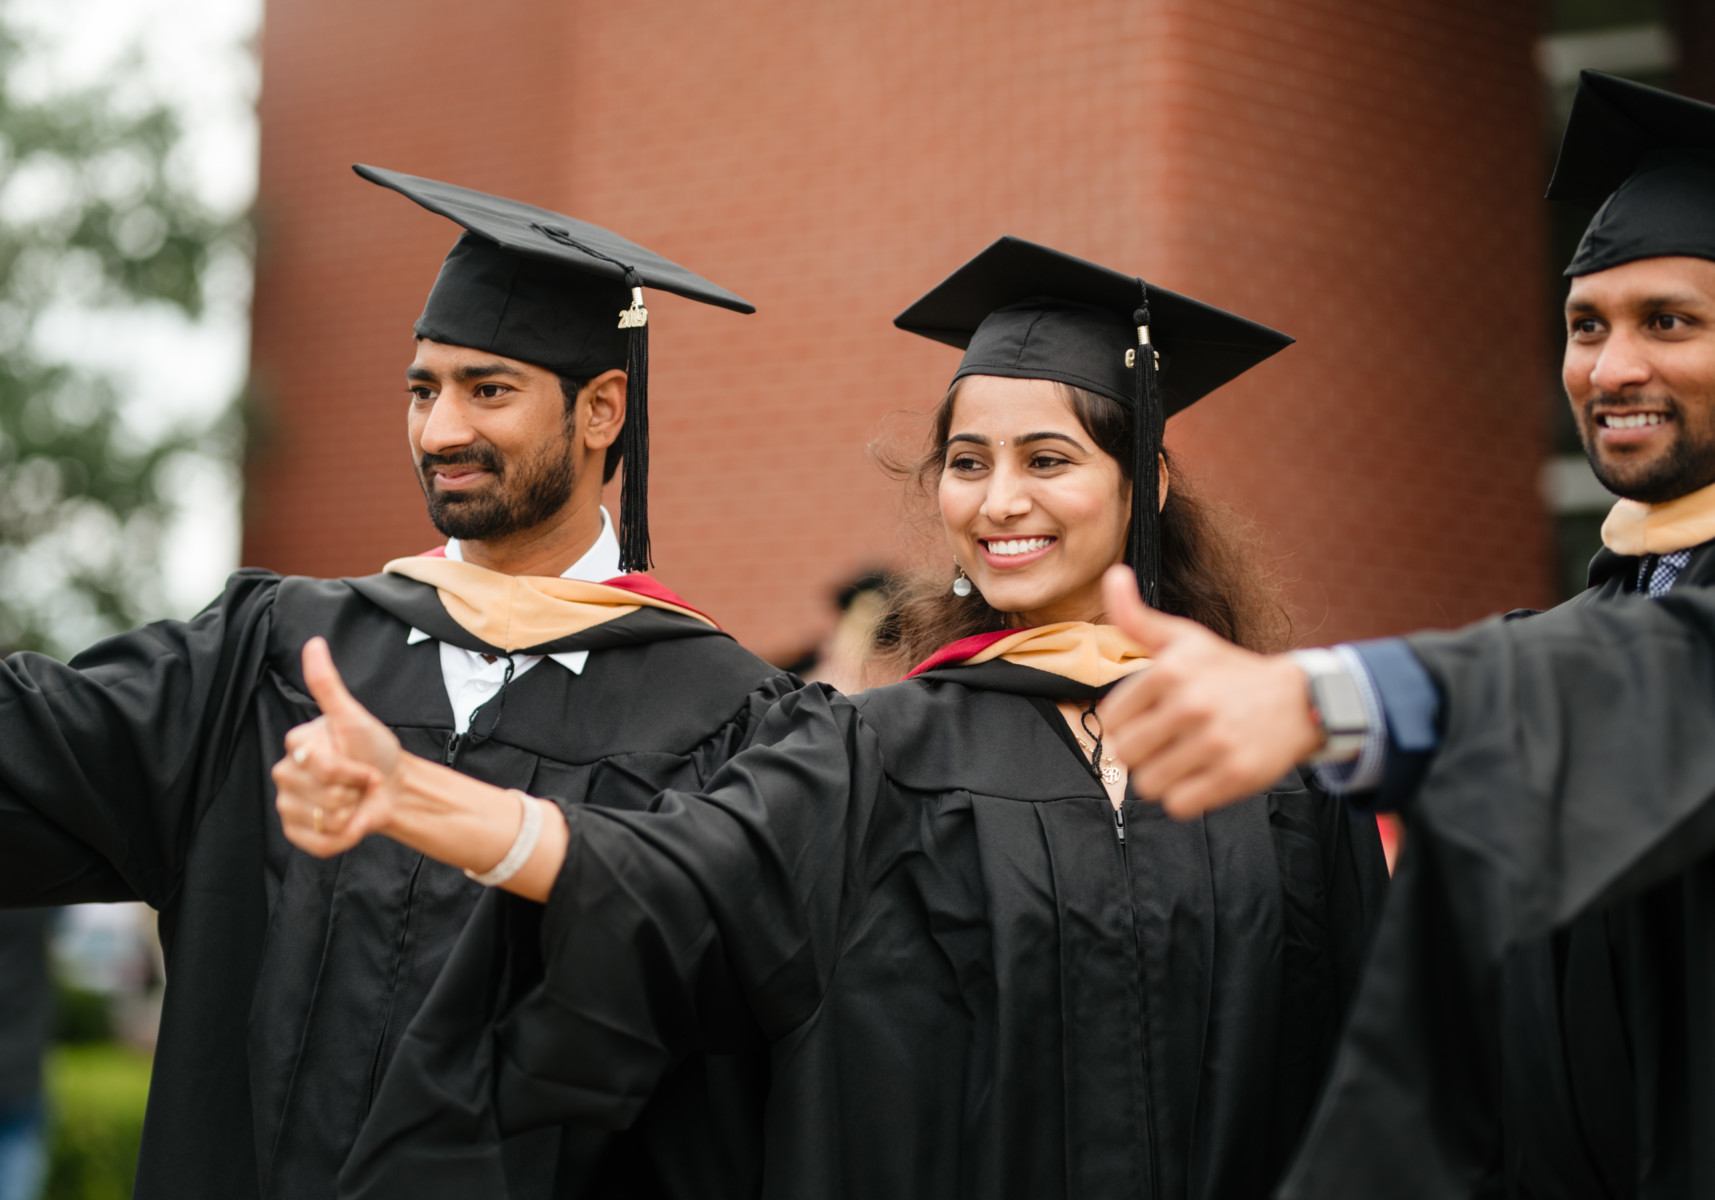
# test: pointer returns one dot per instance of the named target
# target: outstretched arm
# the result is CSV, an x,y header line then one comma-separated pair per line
x,y
1209,723
344,777
108,762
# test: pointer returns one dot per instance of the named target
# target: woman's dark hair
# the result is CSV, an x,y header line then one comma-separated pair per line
x,y
1211,571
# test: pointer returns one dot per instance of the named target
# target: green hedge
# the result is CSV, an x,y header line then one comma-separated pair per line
x,y
96,1095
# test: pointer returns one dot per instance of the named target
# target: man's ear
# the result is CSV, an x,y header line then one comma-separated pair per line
x,y
1166,477
602,401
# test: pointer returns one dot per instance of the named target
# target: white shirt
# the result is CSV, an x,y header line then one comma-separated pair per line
x,y
471,679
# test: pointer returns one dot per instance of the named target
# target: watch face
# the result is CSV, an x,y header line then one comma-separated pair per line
x,y
1340,703
1343,710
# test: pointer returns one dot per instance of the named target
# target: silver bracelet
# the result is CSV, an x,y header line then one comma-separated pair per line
x,y
523,846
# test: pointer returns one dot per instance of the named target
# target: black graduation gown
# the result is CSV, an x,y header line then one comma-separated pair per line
x,y
1539,1016
970,986
140,771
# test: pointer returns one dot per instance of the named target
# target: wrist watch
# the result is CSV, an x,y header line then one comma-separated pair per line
x,y
1336,705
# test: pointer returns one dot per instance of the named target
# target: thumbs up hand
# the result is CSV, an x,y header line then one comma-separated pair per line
x,y
336,783
1208,722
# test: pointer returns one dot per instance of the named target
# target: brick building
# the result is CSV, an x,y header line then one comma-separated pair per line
x,y
1364,174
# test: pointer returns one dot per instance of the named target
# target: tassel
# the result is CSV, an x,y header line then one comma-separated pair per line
x,y
1143,550
634,554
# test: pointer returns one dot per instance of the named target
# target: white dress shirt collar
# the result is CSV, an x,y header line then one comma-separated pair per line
x,y
599,564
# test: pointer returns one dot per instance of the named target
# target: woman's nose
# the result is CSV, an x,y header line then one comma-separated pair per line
x,y
1007,496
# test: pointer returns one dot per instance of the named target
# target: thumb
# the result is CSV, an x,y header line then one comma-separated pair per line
x,y
323,680
1124,605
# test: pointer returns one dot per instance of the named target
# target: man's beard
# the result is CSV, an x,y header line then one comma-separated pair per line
x,y
1687,465
520,495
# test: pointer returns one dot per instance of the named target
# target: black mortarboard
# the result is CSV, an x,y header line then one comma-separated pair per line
x,y
1647,158
1029,312
558,293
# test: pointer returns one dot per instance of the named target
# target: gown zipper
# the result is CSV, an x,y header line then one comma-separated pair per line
x,y
377,1063
1145,1099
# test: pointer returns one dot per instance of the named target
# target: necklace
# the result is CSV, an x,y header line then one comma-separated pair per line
x,y
1110,772
1101,764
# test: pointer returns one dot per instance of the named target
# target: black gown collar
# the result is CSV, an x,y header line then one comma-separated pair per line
x,y
1617,574
998,675
1050,712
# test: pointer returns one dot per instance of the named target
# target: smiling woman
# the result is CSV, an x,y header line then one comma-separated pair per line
x,y
1073,473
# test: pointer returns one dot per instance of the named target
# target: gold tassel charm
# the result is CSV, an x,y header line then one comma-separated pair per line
x,y
635,317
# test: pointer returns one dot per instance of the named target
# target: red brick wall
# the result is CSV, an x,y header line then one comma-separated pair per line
x,y
1368,176
1364,174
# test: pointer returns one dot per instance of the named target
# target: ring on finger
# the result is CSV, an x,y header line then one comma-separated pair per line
x,y
300,754
317,816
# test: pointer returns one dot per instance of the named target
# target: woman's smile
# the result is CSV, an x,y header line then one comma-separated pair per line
x,y
1011,553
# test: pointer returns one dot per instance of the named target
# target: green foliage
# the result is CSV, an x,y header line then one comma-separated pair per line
x,y
95,1124
94,214
81,1016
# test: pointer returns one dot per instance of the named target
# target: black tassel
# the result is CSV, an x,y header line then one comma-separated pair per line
x,y
634,554
1143,550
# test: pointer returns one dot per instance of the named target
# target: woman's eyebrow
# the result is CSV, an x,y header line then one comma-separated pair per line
x,y
1050,435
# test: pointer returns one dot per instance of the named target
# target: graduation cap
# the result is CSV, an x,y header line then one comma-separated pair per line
x,y
1645,159
1026,311
561,294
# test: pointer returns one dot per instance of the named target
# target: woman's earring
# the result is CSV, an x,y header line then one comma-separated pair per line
x,y
961,584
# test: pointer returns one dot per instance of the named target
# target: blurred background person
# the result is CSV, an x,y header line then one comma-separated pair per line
x,y
26,1019
846,657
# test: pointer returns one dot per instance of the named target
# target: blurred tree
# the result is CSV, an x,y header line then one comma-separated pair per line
x,y
93,215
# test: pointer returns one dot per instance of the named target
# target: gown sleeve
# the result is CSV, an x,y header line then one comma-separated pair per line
x,y
742,729
1576,767
702,925
103,759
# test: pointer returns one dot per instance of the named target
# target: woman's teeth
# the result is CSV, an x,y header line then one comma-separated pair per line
x,y
1018,546
1633,421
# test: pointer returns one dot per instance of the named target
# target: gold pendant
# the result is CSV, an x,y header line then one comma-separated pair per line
x,y
1111,775
635,317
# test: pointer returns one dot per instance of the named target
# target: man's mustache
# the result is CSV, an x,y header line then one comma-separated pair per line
x,y
1634,400
484,457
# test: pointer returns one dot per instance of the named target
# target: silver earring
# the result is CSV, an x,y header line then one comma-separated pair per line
x,y
962,583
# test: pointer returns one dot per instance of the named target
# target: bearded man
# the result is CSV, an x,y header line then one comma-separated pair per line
x,y
1536,1017
527,652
